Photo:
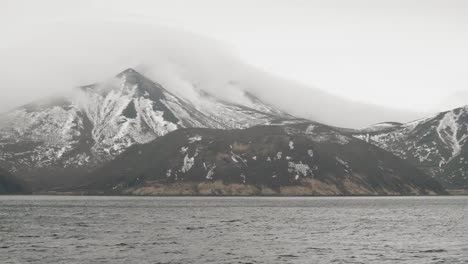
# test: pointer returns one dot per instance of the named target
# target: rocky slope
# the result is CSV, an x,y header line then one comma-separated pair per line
x,y
58,139
295,159
438,144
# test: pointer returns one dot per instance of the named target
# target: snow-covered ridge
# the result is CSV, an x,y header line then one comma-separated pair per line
x,y
437,144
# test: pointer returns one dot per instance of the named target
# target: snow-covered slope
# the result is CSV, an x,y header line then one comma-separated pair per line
x,y
437,144
75,134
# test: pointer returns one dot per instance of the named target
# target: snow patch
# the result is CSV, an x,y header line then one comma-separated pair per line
x,y
279,155
448,132
242,175
188,163
210,173
299,168
183,150
194,139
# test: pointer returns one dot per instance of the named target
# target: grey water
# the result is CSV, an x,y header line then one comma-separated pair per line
x,y
71,229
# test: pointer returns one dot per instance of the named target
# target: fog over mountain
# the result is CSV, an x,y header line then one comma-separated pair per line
x,y
405,55
54,60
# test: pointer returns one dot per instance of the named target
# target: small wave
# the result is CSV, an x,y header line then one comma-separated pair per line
x,y
288,256
195,228
433,251
231,221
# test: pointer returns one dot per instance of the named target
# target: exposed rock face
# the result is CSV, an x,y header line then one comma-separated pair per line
x,y
437,145
296,159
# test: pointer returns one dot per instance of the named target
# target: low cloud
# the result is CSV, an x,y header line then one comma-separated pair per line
x,y
53,59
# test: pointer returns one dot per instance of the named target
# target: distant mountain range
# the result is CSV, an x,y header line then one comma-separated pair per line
x,y
131,135
437,144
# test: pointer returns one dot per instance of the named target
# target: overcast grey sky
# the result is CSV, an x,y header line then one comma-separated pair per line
x,y
408,55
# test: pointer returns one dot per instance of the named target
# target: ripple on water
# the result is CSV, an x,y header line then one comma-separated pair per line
x,y
233,230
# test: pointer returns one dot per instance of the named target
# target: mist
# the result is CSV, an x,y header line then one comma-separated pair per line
x,y
54,58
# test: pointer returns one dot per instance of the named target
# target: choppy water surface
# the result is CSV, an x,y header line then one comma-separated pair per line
x,y
56,229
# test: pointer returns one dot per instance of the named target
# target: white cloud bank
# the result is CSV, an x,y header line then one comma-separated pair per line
x,y
53,59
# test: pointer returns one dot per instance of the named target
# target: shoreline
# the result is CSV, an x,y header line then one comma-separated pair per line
x,y
72,194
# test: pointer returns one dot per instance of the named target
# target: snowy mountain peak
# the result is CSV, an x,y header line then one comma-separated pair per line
x,y
131,77
101,120
127,71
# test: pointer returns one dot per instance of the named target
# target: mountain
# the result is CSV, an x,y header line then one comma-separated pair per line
x,y
293,159
54,141
9,184
437,145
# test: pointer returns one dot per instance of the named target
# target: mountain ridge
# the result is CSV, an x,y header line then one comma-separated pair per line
x,y
437,144
53,143
297,159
